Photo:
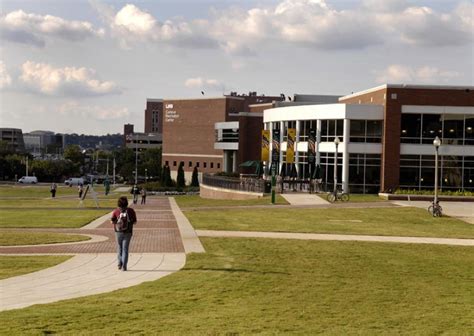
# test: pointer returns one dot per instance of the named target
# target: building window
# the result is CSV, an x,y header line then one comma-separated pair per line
x,y
197,164
167,163
410,128
364,172
174,163
218,166
456,172
205,164
332,128
212,164
190,164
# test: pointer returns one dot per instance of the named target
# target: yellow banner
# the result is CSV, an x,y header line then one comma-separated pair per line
x,y
265,145
290,146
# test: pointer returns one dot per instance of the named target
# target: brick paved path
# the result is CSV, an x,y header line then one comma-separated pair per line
x,y
156,250
155,232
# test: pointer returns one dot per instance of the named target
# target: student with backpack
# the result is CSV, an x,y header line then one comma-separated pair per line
x,y
123,219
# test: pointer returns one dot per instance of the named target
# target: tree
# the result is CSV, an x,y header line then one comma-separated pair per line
x,y
181,182
74,154
195,179
168,181
151,160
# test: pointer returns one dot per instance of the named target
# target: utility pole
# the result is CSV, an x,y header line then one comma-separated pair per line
x,y
113,164
27,166
136,158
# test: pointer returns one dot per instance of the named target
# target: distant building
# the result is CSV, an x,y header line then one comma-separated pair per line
x,y
13,137
140,141
154,116
37,142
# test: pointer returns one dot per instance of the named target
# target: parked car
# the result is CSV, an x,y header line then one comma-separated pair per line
x,y
28,179
74,181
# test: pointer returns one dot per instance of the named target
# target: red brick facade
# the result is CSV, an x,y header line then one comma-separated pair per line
x,y
154,116
393,98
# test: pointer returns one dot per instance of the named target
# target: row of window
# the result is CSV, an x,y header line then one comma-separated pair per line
x,y
455,172
453,129
360,130
197,164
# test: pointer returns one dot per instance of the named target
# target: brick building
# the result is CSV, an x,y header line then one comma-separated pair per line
x,y
189,133
386,136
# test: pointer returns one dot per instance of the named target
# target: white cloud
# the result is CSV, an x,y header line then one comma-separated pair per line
x,y
426,27
44,78
74,109
5,78
397,73
21,27
202,83
131,24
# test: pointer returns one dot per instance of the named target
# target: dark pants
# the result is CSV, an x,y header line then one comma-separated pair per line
x,y
123,243
53,193
143,199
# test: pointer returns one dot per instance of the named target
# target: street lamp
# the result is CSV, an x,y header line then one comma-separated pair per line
x,y
336,142
436,144
146,175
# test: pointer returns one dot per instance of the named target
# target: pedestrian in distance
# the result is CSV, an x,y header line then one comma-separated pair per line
x,y
143,194
135,192
54,187
80,189
123,219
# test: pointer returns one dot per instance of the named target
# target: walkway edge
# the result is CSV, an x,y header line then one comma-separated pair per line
x,y
190,239
317,236
98,221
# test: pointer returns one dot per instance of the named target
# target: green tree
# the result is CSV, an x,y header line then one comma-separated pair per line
x,y
151,160
181,182
195,179
168,180
74,154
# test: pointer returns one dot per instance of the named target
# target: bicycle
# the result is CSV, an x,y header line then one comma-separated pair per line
x,y
435,209
337,196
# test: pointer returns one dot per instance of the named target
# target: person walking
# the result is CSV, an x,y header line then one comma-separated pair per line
x,y
123,219
135,192
80,189
143,194
53,190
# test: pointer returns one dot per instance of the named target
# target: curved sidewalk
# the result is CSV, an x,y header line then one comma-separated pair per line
x,y
159,246
317,236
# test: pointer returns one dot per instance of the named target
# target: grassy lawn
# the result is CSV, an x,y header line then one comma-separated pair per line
x,y
11,266
36,191
11,238
110,202
258,286
365,221
195,201
41,218
364,198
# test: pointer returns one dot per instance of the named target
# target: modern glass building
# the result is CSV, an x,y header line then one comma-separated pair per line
x,y
386,137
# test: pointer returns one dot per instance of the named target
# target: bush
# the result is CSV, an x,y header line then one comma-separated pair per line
x,y
431,192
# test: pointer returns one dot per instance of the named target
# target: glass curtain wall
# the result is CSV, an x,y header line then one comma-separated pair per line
x,y
452,129
366,131
364,173
456,172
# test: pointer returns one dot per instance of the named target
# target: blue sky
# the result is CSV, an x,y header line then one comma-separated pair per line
x,y
88,66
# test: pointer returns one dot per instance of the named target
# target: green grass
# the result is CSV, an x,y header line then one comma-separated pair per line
x,y
195,201
364,198
12,238
395,221
41,218
11,266
258,286
41,191
57,203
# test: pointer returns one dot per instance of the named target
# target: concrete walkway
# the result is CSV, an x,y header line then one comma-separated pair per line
x,y
158,248
316,236
304,199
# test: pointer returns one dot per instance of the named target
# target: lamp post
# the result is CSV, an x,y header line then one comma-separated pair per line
x,y
436,143
136,159
336,142
146,175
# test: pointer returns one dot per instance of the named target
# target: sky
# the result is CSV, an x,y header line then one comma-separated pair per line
x,y
87,67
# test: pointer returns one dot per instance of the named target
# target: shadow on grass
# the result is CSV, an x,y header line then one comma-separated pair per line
x,y
231,270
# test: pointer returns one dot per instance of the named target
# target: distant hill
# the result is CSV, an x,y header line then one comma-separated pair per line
x,y
109,141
